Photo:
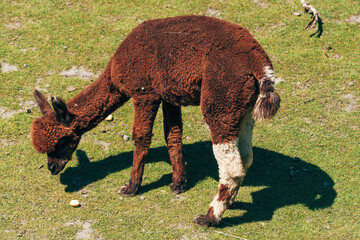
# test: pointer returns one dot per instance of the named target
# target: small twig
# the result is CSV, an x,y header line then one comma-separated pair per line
x,y
230,235
311,10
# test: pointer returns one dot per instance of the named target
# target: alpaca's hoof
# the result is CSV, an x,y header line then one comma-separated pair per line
x,y
128,191
178,187
205,221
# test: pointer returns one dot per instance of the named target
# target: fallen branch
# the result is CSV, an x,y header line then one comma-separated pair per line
x,y
311,10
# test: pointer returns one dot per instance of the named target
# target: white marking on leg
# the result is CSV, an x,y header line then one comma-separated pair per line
x,y
228,158
234,158
231,169
220,205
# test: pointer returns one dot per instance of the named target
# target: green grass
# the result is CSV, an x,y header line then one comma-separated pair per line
x,y
318,123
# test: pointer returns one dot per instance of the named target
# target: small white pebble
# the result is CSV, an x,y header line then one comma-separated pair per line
x,y
142,198
125,137
74,203
70,88
109,118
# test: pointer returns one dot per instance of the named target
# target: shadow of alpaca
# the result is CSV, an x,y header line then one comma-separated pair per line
x,y
286,181
201,164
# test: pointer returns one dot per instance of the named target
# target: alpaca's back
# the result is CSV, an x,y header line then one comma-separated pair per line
x,y
174,56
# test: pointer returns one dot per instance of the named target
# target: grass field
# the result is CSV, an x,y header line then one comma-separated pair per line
x,y
304,183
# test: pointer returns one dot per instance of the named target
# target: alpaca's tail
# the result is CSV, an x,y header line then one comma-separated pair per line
x,y
268,101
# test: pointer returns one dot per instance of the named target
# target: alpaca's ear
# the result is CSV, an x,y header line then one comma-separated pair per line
x,y
43,103
61,110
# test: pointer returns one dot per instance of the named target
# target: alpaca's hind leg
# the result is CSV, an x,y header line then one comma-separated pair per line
x,y
234,157
145,109
245,146
173,137
231,173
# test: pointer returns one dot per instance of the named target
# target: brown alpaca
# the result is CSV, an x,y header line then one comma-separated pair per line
x,y
180,61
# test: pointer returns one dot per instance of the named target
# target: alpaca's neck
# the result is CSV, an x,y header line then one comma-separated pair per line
x,y
96,102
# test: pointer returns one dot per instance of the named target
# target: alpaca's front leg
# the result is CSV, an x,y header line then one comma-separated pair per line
x,y
145,109
173,137
137,171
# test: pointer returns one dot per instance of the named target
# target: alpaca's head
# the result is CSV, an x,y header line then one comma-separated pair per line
x,y
54,133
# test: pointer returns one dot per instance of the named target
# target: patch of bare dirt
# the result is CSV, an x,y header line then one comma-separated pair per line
x,y
178,198
213,13
353,19
180,226
307,120
354,127
352,102
28,104
6,67
105,145
13,25
6,113
24,107
79,72
280,25
29,49
85,232
38,83
261,4
6,142
193,235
